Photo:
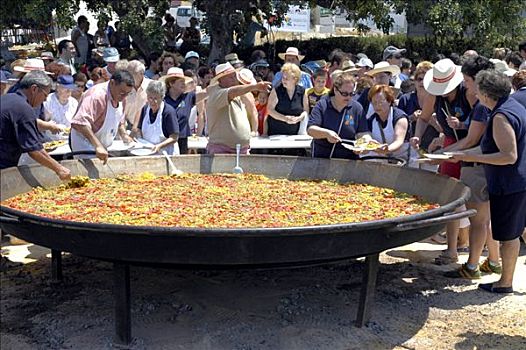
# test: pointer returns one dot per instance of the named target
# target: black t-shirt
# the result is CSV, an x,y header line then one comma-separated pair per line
x,y
18,129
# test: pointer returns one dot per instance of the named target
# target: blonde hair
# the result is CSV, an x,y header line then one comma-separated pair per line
x,y
292,69
423,67
341,79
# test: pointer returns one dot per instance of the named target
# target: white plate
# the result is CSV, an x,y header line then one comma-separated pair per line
x,y
141,152
453,153
437,156
119,145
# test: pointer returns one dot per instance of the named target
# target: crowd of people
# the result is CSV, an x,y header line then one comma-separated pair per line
x,y
470,105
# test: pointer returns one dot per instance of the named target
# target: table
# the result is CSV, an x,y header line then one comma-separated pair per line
x,y
262,142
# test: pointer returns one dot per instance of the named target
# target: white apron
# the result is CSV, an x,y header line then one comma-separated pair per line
x,y
154,132
405,152
106,134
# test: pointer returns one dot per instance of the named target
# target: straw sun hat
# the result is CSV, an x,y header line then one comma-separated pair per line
x,y
175,73
443,78
31,64
384,67
291,51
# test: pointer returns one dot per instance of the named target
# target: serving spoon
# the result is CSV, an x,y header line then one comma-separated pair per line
x,y
237,169
173,168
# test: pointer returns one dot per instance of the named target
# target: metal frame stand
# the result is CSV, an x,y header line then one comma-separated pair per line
x,y
121,291
368,288
56,265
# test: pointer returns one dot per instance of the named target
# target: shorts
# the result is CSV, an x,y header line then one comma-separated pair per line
x,y
475,179
508,215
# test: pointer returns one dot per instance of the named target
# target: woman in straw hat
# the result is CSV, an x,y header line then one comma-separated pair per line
x,y
337,117
288,104
503,153
182,101
452,100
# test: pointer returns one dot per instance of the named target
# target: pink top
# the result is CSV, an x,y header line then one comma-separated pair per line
x,y
92,107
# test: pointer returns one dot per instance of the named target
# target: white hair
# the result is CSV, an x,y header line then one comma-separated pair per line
x,y
156,88
136,67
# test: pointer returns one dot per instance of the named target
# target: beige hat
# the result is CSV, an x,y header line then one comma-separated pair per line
x,y
246,77
443,78
222,70
174,73
233,59
384,67
291,51
349,66
32,64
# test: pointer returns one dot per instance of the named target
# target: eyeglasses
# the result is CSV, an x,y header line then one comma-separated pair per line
x,y
344,93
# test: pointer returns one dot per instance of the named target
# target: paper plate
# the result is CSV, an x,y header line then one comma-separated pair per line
x,y
437,156
141,152
119,145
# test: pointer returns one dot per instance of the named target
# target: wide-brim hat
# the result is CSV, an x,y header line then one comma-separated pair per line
x,y
221,71
173,74
233,59
384,67
443,78
291,51
245,76
30,65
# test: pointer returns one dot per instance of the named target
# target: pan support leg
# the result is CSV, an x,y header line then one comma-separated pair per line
x,y
368,288
121,283
56,265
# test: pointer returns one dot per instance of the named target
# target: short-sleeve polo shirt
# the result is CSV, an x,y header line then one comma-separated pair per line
x,y
351,119
18,129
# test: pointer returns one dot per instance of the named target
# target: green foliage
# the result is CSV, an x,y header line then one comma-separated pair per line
x,y
418,49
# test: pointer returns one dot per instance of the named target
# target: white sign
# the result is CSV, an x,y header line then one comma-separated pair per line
x,y
296,20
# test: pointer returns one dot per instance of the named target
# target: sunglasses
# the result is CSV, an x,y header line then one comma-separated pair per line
x,y
345,94
397,57
419,79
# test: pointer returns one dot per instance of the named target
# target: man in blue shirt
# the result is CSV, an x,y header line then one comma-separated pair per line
x,y
292,56
18,126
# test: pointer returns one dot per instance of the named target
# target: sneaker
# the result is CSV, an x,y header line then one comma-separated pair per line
x,y
490,268
464,272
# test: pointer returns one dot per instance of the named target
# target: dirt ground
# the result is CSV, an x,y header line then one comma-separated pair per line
x,y
307,308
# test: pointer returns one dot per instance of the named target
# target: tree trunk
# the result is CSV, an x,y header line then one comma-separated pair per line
x,y
221,31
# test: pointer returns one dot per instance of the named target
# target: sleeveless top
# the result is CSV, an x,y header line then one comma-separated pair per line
x,y
286,106
506,179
